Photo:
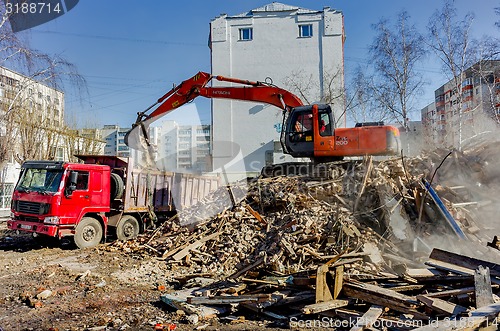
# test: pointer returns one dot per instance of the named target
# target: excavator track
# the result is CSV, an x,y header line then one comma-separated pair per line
x,y
317,171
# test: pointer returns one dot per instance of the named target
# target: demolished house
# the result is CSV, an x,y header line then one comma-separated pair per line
x,y
405,243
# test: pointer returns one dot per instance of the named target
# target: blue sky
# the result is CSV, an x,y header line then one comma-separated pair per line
x,y
132,52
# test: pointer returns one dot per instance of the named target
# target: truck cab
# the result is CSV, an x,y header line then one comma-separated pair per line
x,y
53,198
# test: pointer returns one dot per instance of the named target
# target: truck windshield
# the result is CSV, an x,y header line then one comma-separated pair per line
x,y
40,180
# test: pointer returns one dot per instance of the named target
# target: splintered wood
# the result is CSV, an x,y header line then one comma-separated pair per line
x,y
357,246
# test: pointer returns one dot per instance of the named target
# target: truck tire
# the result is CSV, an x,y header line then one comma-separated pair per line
x,y
88,233
116,187
127,228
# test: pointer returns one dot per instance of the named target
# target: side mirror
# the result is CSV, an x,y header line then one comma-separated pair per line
x,y
71,184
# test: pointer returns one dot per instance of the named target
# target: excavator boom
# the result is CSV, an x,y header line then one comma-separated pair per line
x,y
197,86
308,130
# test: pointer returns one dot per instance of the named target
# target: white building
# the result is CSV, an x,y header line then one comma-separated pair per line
x,y
291,45
184,148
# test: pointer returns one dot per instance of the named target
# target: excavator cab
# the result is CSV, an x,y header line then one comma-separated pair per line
x,y
304,126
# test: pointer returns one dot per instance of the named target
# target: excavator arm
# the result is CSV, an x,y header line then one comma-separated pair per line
x,y
196,86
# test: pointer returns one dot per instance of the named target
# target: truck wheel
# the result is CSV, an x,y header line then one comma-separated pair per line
x,y
127,228
117,187
88,233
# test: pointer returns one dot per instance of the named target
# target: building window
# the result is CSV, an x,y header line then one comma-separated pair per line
x,y
246,34
305,31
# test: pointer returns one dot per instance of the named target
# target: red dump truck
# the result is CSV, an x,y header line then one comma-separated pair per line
x,y
104,194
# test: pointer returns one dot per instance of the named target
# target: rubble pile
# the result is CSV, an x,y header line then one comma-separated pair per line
x,y
357,246
290,223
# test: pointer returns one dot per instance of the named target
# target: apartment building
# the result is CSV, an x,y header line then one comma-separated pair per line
x,y
20,92
31,110
297,48
114,137
464,107
184,148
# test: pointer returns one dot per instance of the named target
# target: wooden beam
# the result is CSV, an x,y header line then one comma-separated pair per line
x,y
324,306
441,306
456,269
464,261
338,281
185,251
228,299
450,293
247,268
322,289
385,297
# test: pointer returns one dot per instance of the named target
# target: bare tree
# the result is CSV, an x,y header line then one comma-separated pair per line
x,y
300,83
396,51
81,142
485,54
450,39
327,90
30,127
497,11
362,104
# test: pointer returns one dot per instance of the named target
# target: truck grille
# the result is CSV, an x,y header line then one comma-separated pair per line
x,y
28,207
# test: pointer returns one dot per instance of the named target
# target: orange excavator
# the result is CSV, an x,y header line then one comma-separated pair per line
x,y
308,130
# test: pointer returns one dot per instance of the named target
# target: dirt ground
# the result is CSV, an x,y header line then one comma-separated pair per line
x,y
94,289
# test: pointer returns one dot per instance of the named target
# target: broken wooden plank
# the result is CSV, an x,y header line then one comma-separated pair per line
x,y
456,269
368,169
441,306
407,288
247,268
368,318
338,281
482,283
324,306
322,287
228,299
185,251
381,296
450,293
464,261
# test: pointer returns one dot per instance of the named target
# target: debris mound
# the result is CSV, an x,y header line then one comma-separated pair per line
x,y
368,241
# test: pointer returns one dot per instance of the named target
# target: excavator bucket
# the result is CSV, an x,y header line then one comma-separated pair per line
x,y
138,137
